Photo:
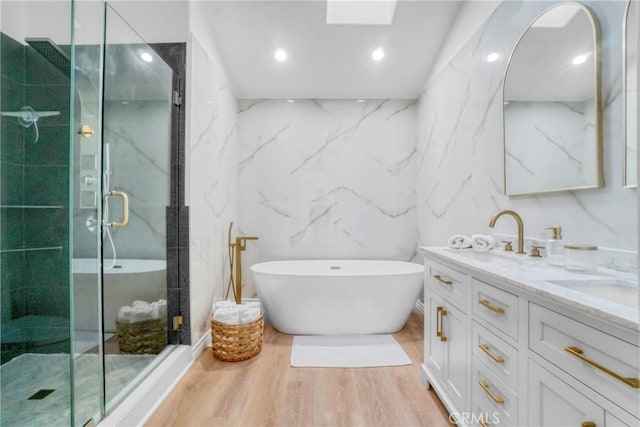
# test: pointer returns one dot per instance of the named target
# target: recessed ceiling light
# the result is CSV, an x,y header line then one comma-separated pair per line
x,y
493,57
579,59
281,55
377,54
146,57
359,100
291,101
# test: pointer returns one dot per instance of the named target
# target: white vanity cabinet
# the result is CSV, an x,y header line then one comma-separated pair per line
x,y
513,356
446,349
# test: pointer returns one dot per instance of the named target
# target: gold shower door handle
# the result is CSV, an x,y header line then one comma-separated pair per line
x,y
125,209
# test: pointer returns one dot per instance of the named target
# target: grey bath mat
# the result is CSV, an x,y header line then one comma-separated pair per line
x,y
347,351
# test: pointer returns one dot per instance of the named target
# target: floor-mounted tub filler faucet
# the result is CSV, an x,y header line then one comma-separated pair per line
x,y
239,246
515,216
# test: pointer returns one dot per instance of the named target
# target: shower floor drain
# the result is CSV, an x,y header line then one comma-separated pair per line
x,y
41,394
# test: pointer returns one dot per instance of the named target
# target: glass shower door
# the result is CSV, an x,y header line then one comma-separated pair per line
x,y
136,152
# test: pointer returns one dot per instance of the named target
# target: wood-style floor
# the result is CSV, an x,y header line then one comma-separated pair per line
x,y
266,391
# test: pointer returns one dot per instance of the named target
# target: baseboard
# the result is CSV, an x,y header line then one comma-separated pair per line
x,y
420,306
200,345
145,399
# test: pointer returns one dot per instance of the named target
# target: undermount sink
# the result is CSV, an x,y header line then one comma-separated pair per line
x,y
498,257
615,290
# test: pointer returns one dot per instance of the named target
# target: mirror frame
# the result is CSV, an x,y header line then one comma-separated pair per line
x,y
597,58
625,19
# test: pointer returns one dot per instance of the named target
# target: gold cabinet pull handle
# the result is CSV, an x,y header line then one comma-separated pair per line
x,y
588,424
441,280
443,312
485,348
485,386
438,310
486,303
483,422
125,209
577,352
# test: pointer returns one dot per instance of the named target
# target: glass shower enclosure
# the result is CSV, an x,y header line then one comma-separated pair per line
x,y
85,138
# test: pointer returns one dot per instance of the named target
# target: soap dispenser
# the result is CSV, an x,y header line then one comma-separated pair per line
x,y
555,247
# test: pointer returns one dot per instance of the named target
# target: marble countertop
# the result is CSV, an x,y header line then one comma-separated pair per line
x,y
533,275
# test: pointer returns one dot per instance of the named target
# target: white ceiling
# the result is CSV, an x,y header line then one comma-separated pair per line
x,y
327,61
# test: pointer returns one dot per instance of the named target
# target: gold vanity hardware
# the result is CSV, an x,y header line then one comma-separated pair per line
x,y
443,312
535,251
508,245
485,348
125,209
440,311
556,231
577,352
86,131
515,216
486,303
483,422
588,424
485,386
441,280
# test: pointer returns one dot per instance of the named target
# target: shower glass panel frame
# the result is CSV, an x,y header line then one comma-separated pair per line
x,y
36,106
58,365
136,152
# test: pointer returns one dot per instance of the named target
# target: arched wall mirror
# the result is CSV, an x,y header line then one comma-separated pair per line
x,y
630,69
551,104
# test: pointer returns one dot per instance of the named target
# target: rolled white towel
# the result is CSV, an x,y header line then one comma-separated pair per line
x,y
253,304
482,242
222,304
227,315
459,241
162,308
124,314
250,315
155,310
141,304
141,313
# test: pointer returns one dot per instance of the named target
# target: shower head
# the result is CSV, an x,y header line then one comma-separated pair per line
x,y
52,53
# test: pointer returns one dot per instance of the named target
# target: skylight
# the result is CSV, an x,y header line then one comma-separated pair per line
x,y
361,12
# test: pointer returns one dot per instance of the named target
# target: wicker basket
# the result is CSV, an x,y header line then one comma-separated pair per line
x,y
233,343
144,337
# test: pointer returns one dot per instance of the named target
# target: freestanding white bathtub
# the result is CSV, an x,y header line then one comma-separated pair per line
x,y
338,297
132,279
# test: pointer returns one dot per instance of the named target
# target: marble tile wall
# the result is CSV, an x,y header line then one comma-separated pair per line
x,y
327,179
460,168
138,134
212,177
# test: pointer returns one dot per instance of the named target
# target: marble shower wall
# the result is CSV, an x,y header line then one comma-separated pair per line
x,y
327,179
212,182
140,158
460,164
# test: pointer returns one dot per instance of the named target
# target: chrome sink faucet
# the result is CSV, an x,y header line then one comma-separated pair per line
x,y
515,216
